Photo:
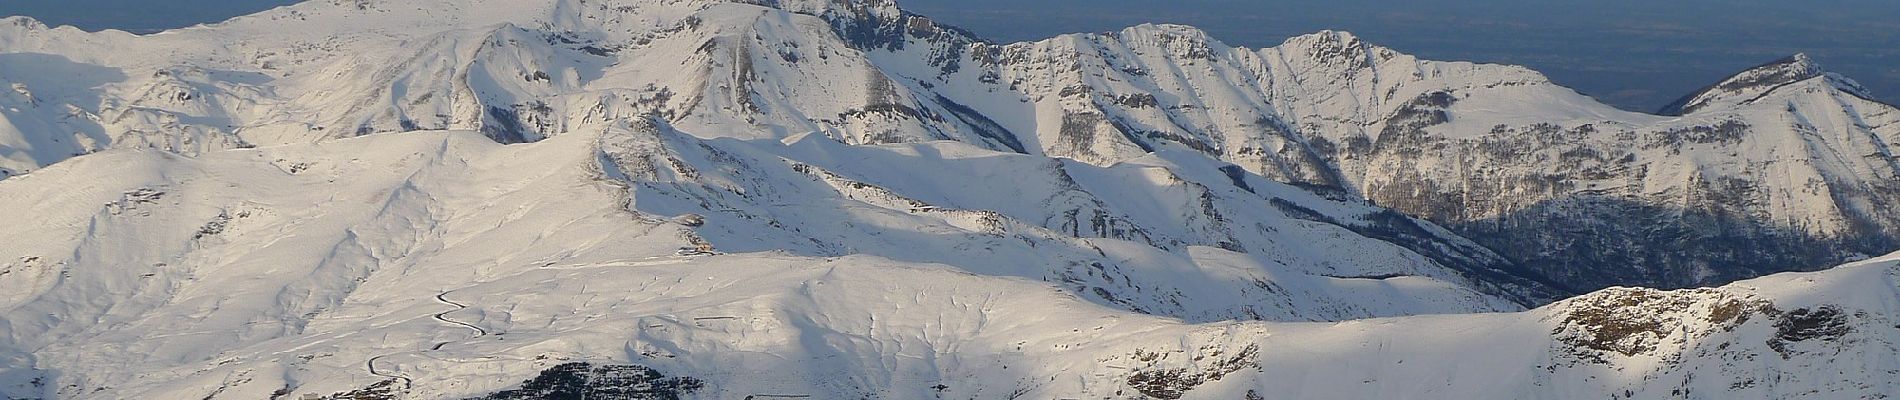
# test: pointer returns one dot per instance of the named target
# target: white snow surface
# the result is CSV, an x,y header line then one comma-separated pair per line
x,y
165,260
239,273
313,199
1325,108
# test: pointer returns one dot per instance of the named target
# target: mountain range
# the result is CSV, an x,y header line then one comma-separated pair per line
x,y
494,199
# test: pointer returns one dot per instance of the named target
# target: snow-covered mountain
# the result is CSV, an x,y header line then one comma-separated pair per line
x,y
1783,167
442,199
444,265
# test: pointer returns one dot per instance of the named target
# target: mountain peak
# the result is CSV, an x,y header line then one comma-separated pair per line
x,y
1174,29
870,24
1797,62
1329,37
1758,81
23,21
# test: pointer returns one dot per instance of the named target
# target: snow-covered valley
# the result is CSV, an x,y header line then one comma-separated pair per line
x,y
837,199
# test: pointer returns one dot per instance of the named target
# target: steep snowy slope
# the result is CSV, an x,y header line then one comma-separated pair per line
x,y
1783,167
1799,176
443,265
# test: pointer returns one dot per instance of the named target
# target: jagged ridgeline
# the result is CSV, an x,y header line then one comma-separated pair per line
x,y
837,199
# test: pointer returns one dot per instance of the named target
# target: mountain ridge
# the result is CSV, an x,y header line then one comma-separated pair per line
x,y
1759,81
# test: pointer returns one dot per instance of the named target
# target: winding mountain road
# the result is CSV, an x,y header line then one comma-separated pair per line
x,y
443,316
372,371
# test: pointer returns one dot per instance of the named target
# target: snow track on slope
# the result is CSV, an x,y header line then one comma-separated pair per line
x,y
443,316
640,262
371,364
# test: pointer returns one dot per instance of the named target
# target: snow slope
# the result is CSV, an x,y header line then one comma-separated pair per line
x,y
443,265
376,199
159,259
1785,154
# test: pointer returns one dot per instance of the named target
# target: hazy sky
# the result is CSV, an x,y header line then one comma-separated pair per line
x,y
1636,54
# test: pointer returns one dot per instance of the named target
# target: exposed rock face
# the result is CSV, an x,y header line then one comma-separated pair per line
x,y
1210,364
579,380
1698,342
1645,322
